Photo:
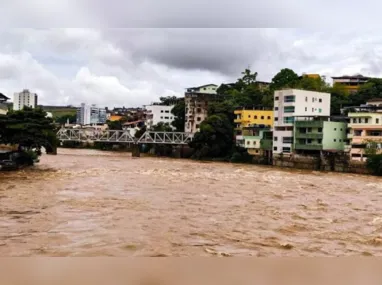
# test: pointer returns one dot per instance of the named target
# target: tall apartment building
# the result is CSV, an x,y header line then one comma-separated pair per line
x,y
157,114
350,83
290,103
196,104
89,115
24,98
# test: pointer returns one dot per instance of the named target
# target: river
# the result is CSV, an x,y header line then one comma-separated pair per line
x,y
93,203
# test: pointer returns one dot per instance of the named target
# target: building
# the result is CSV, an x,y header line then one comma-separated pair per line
x,y
157,114
376,102
316,134
350,83
113,118
3,106
256,139
91,115
246,118
196,105
364,127
291,103
24,98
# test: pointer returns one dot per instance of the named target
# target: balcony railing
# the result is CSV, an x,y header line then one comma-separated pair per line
x,y
309,135
309,124
308,146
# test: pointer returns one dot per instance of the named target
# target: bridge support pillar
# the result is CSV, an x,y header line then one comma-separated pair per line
x,y
135,151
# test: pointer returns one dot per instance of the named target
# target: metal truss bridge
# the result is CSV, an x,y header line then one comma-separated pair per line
x,y
120,136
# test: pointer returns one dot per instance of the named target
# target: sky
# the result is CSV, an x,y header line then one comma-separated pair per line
x,y
171,45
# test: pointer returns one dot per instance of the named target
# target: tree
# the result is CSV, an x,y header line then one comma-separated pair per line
x,y
313,84
286,78
63,119
339,99
371,89
214,139
169,100
29,128
179,116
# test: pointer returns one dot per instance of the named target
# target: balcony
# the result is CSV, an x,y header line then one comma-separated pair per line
x,y
309,135
308,146
309,124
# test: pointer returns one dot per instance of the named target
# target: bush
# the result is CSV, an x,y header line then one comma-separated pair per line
x,y
374,164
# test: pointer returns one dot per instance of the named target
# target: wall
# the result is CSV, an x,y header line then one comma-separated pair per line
x,y
334,135
161,114
209,89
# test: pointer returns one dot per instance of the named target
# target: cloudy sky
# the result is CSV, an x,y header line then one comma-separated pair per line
x,y
171,45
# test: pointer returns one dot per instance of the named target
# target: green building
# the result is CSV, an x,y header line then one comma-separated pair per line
x,y
256,139
313,134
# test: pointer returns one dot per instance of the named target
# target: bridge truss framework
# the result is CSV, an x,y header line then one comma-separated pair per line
x,y
124,136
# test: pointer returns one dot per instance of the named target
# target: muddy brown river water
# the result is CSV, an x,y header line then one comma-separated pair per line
x,y
92,203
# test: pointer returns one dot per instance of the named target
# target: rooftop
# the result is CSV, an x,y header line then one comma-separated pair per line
x,y
198,87
3,97
355,76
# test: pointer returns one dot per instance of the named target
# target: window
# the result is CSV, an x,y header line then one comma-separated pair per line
x,y
309,141
198,110
313,99
161,117
287,139
276,98
340,140
320,100
320,141
341,130
366,121
290,98
198,119
306,109
354,121
248,142
275,139
197,126
360,120
288,120
309,130
275,148
286,149
289,109
377,121
269,117
161,111
249,116
255,117
335,140
276,119
312,109
320,110
335,129
306,99
166,118
276,108
167,111
320,130
254,142
262,117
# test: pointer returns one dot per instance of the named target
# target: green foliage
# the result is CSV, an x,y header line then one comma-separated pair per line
x,y
313,84
64,118
28,128
179,116
285,78
169,100
371,89
374,164
214,139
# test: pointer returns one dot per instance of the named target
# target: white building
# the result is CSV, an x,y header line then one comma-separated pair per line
x,y
90,115
159,113
24,98
291,103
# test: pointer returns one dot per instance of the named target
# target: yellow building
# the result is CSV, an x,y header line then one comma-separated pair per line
x,y
246,118
350,83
